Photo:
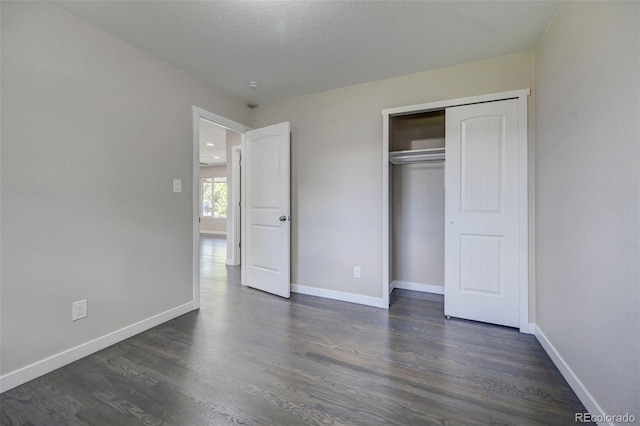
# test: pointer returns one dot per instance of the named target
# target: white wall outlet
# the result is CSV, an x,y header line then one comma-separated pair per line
x,y
177,185
79,310
357,272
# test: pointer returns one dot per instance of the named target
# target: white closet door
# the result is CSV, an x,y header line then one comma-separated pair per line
x,y
481,213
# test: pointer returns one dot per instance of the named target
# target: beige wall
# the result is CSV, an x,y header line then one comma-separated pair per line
x,y
93,132
588,201
337,164
418,223
210,224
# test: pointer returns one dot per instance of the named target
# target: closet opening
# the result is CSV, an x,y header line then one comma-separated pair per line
x,y
459,229
417,197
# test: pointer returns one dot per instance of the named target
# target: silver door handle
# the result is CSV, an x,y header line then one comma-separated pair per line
x,y
283,218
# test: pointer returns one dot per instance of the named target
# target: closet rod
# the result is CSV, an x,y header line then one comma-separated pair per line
x,y
417,156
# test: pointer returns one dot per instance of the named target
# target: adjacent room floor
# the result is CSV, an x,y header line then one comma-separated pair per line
x,y
252,358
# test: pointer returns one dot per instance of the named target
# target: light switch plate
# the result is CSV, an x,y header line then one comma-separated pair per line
x,y
177,185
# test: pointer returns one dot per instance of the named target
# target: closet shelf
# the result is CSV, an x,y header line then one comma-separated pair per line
x,y
416,156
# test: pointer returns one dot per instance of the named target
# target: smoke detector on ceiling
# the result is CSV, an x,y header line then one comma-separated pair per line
x,y
253,84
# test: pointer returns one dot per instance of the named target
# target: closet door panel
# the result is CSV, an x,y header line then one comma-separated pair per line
x,y
482,213
482,155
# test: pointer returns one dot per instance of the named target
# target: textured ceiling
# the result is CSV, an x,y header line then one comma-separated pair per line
x,y
299,47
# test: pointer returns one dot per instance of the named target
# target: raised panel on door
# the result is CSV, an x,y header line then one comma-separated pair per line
x,y
482,213
480,264
482,155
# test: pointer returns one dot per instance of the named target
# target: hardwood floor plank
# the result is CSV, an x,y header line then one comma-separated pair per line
x,y
250,358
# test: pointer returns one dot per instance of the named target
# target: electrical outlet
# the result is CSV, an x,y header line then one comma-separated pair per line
x,y
357,272
79,310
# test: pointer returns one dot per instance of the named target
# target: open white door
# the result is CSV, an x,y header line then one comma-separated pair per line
x,y
266,185
482,213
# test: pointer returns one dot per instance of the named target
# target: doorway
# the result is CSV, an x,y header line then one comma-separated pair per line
x,y
215,177
265,177
215,202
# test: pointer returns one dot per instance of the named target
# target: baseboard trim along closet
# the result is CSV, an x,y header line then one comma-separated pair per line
x,y
378,302
578,387
424,288
47,365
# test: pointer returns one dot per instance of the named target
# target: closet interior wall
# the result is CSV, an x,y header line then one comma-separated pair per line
x,y
417,203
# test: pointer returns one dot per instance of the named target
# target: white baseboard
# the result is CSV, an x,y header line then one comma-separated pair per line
x,y
578,387
378,302
47,365
424,288
213,232
528,328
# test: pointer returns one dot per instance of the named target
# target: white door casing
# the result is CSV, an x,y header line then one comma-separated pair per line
x,y
233,221
482,247
266,194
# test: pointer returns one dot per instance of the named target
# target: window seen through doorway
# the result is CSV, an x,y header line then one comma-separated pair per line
x,y
214,197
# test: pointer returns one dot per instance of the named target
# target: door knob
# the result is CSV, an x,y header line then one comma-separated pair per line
x,y
283,218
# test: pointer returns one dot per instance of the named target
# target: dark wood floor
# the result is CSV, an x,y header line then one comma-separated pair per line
x,y
251,358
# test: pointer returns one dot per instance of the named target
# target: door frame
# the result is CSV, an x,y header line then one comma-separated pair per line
x,y
233,223
522,96
197,114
